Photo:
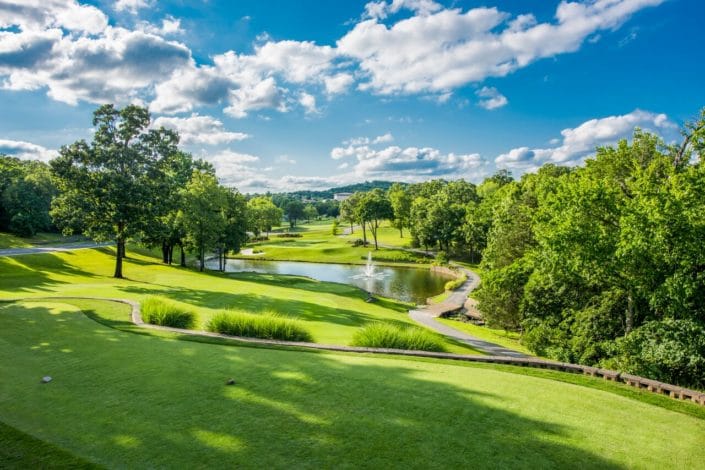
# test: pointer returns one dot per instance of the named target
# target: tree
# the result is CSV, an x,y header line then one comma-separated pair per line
x,y
204,219
234,231
263,214
294,210
374,208
400,200
348,210
107,187
310,212
27,198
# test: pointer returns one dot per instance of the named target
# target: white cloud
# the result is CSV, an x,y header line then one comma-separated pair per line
x,y
491,98
580,142
26,150
132,6
169,26
437,51
382,9
37,15
199,129
308,101
75,69
260,95
338,83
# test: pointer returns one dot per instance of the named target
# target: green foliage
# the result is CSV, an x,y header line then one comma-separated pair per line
x,y
265,325
384,335
26,191
294,210
670,350
441,258
163,312
457,282
262,214
334,227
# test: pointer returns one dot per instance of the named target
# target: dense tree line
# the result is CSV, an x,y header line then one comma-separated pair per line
x,y
26,191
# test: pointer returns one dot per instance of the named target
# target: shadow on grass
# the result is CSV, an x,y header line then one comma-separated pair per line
x,y
33,272
257,303
156,403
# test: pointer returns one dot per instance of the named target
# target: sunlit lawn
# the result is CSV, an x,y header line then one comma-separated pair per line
x,y
123,400
331,312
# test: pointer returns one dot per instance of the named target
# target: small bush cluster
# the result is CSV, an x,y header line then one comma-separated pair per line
x,y
265,326
261,238
382,335
396,258
357,242
441,259
289,235
455,283
163,312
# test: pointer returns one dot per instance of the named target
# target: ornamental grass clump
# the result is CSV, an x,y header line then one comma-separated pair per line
x,y
163,312
266,325
382,335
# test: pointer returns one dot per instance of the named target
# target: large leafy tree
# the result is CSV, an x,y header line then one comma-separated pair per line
x,y
107,187
400,199
263,214
26,191
204,213
375,208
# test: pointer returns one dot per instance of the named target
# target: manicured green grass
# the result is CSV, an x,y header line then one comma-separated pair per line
x,y
381,335
265,325
163,312
508,339
331,312
317,244
7,240
21,451
142,401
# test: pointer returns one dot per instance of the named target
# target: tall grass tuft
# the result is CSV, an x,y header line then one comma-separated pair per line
x,y
161,311
382,335
266,326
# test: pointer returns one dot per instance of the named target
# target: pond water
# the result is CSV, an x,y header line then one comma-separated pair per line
x,y
407,284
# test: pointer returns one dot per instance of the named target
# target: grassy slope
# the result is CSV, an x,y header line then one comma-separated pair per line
x,y
508,339
318,244
125,400
332,312
7,240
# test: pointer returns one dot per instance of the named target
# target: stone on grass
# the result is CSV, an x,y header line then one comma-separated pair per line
x,y
230,382
46,379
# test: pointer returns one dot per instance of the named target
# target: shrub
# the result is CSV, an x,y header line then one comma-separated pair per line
x,y
382,335
334,227
289,235
160,311
441,259
265,326
457,282
357,242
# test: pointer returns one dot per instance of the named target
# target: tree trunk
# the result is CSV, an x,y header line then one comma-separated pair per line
x,y
183,255
165,252
629,321
351,227
118,257
171,254
364,234
202,258
401,232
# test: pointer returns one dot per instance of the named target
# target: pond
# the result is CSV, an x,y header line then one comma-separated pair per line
x,y
407,284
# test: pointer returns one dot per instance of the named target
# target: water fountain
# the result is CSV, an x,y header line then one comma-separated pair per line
x,y
369,270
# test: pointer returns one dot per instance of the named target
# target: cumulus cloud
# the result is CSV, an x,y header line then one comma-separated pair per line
x,y
308,101
199,129
132,6
580,142
26,150
438,50
410,163
490,98
38,15
169,26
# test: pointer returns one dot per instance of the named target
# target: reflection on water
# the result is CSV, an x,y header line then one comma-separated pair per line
x,y
407,284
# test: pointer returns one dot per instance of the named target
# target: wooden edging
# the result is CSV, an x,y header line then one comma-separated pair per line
x,y
641,383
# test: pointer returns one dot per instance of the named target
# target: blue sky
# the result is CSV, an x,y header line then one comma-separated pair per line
x,y
283,95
